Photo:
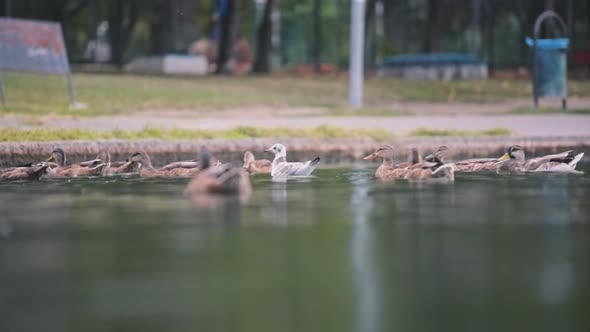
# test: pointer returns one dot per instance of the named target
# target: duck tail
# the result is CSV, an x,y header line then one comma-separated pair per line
x,y
575,161
39,172
448,171
316,161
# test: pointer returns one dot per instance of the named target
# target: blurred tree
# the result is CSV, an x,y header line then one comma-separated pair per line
x,y
431,35
226,17
263,40
122,19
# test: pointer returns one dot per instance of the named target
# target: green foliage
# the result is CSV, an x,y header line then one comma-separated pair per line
x,y
460,133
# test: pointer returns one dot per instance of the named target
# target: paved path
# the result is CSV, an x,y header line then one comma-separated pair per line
x,y
522,125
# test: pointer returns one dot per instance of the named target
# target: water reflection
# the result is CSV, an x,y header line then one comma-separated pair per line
x,y
362,254
340,252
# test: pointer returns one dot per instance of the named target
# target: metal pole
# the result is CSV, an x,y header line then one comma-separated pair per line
x,y
357,28
2,96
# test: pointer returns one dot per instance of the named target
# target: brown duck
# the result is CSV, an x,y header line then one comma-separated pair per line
x,y
467,165
513,161
220,179
434,169
252,166
145,167
61,169
389,169
24,172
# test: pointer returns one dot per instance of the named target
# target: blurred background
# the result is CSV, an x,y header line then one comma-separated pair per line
x,y
302,35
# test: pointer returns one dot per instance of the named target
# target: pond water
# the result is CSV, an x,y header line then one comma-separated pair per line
x,y
340,252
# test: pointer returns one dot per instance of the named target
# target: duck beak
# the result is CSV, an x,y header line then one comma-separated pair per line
x,y
430,157
371,156
51,158
505,157
268,150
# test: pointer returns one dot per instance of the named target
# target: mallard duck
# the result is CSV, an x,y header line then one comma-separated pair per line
x,y
220,179
434,169
145,168
24,172
467,165
388,168
112,167
61,169
281,167
513,161
256,166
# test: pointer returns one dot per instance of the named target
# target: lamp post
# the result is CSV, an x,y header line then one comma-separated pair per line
x,y
357,28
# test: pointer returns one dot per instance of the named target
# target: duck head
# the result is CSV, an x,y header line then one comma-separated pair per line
x,y
248,159
514,152
205,160
441,154
141,158
58,156
383,152
104,156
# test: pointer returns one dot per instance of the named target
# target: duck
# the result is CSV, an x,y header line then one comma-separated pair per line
x,y
59,168
253,166
32,171
145,167
514,162
467,165
112,167
218,179
280,167
430,170
388,168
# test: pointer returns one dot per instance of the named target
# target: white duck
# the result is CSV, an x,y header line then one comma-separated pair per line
x,y
281,167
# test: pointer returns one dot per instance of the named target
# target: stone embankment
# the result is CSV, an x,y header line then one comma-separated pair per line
x,y
332,152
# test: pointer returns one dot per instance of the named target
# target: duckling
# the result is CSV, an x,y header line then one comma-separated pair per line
x,y
426,170
256,166
61,169
145,167
281,167
513,161
388,169
467,165
221,179
24,172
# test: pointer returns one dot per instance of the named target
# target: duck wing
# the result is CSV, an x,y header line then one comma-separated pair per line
x,y
180,164
533,164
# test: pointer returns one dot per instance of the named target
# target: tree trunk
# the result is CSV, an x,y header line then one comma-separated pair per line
x,y
430,43
122,18
317,35
226,37
369,33
263,43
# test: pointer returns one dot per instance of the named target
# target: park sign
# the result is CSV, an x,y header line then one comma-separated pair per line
x,y
33,46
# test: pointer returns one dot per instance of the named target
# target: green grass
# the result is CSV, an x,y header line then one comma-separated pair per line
x,y
550,110
117,94
321,132
460,133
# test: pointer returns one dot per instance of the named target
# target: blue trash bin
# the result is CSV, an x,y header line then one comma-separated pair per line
x,y
549,62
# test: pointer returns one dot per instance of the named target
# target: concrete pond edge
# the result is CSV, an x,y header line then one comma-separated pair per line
x,y
332,152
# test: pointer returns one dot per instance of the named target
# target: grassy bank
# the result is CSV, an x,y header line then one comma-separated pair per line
x,y
321,132
118,94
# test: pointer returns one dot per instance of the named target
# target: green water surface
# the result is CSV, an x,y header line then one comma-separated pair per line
x,y
340,252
